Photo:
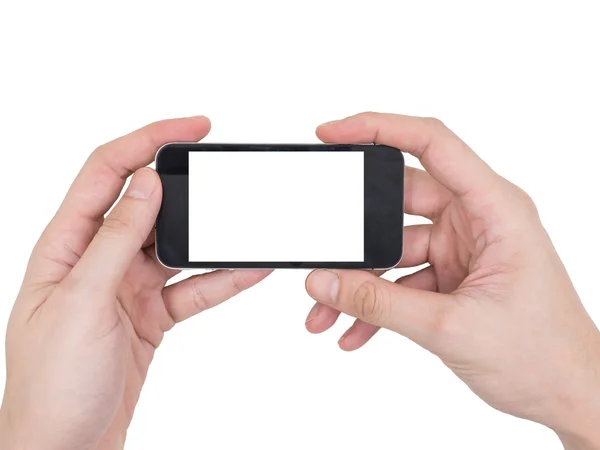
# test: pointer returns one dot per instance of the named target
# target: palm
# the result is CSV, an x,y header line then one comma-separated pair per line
x,y
470,261
451,246
145,320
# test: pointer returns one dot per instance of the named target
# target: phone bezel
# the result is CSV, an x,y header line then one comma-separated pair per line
x,y
384,214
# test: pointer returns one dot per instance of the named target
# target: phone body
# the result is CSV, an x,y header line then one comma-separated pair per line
x,y
280,206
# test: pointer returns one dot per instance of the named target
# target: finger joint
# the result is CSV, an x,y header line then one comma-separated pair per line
x,y
368,302
198,297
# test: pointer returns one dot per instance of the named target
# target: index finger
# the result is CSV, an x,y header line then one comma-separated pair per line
x,y
102,177
443,154
98,185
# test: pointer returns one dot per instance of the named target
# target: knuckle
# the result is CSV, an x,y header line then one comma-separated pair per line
x,y
518,197
103,176
239,281
445,325
441,323
368,117
198,298
105,166
71,285
368,114
434,122
100,150
147,137
118,222
527,201
368,302
76,288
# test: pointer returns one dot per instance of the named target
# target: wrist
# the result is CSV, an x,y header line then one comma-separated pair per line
x,y
573,408
16,435
579,425
580,440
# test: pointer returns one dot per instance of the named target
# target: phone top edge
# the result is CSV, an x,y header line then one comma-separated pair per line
x,y
259,145
322,144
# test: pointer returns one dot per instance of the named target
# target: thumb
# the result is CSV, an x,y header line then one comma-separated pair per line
x,y
121,236
418,315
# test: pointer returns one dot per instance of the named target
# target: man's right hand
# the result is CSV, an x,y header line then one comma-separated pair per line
x,y
494,303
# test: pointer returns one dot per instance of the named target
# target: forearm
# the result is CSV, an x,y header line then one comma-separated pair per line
x,y
8,440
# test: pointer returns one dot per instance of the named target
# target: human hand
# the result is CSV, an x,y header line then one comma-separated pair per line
x,y
494,303
93,306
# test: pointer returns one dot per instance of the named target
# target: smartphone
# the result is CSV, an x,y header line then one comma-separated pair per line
x,y
280,206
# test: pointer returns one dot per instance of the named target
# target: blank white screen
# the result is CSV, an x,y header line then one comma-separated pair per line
x,y
276,206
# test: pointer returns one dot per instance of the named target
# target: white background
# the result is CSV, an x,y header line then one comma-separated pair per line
x,y
276,206
518,80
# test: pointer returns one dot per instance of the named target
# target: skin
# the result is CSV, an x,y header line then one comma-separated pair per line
x,y
93,306
494,302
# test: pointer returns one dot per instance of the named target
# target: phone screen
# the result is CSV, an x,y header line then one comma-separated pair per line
x,y
276,206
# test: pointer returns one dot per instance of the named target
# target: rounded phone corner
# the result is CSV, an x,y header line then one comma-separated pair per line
x,y
394,264
158,157
163,262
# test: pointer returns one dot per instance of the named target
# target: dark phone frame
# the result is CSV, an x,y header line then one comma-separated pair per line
x,y
383,205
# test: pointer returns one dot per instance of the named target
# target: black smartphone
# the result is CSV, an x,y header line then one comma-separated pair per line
x,y
280,206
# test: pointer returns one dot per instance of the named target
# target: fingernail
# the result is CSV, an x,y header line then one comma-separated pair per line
x,y
326,124
314,313
323,286
142,184
345,335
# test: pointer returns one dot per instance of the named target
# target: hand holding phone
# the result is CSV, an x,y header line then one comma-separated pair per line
x,y
493,301
93,306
